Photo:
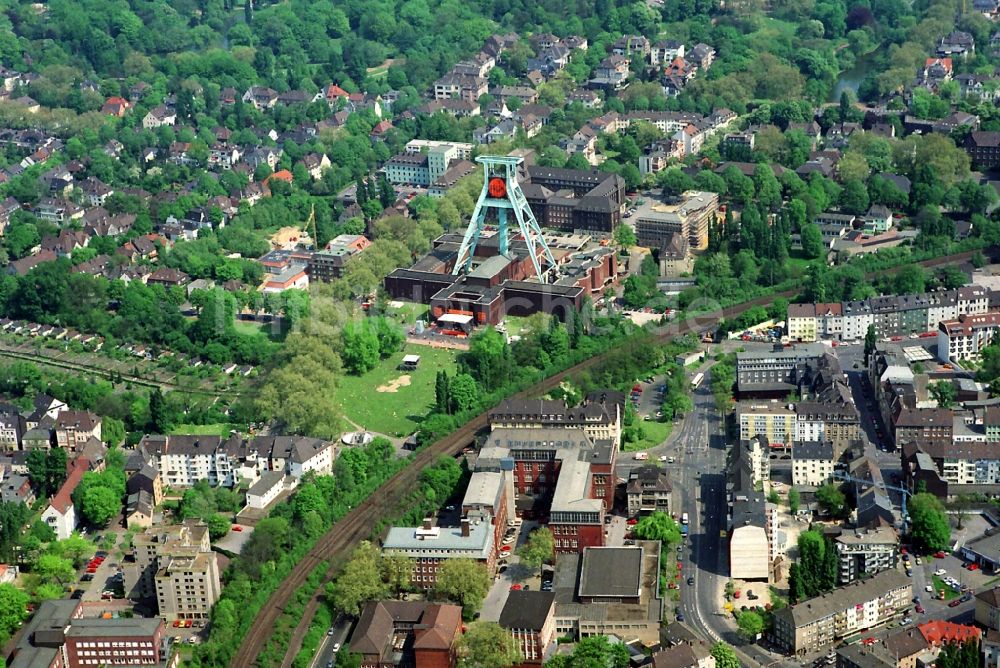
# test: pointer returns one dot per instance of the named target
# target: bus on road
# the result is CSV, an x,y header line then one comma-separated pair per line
x,y
696,381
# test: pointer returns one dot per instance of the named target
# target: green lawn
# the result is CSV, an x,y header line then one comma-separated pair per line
x,y
394,413
216,429
939,584
656,433
408,312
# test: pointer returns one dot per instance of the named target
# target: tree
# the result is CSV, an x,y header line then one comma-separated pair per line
x,y
870,339
658,526
725,656
794,498
812,241
397,570
944,393
625,236
13,608
930,529
361,348
463,581
75,548
751,625
359,582
488,645
100,504
463,392
538,549
53,568
578,161
961,506
158,412
832,500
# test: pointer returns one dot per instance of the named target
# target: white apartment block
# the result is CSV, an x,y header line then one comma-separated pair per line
x,y
812,463
184,460
964,337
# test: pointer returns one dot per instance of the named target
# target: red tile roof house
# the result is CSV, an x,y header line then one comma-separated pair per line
x,y
116,106
60,513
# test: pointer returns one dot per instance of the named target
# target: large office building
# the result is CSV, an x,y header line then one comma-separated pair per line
x,y
429,546
58,636
529,617
865,552
689,215
575,200
816,623
609,591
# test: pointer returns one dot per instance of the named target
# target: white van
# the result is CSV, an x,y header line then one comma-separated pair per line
x,y
684,518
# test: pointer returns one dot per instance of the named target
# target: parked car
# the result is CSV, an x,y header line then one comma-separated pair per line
x,y
955,603
940,554
691,581
919,609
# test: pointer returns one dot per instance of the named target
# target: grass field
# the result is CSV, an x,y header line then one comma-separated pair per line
x,y
656,433
398,412
217,429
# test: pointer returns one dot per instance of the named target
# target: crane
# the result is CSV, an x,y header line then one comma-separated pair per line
x,y
904,493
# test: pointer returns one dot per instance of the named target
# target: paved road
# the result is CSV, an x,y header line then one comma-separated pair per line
x,y
325,656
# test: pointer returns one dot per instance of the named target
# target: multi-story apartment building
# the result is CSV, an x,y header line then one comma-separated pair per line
x,y
836,422
775,372
817,623
812,463
966,336
772,420
648,490
950,468
755,452
176,565
12,427
891,315
865,552
924,425
184,460
988,608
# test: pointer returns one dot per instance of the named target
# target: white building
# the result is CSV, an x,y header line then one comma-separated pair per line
x,y
964,337
812,463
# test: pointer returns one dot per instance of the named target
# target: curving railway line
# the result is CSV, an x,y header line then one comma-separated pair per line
x,y
357,525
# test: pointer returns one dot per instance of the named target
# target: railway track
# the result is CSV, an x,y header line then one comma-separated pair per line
x,y
357,525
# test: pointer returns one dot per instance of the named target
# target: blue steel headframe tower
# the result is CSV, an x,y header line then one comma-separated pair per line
x,y
501,193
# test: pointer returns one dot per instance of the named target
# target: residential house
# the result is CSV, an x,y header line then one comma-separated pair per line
x,y
612,73
648,490
60,514
316,164
116,106
159,116
957,43
95,191
865,552
74,428
261,97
